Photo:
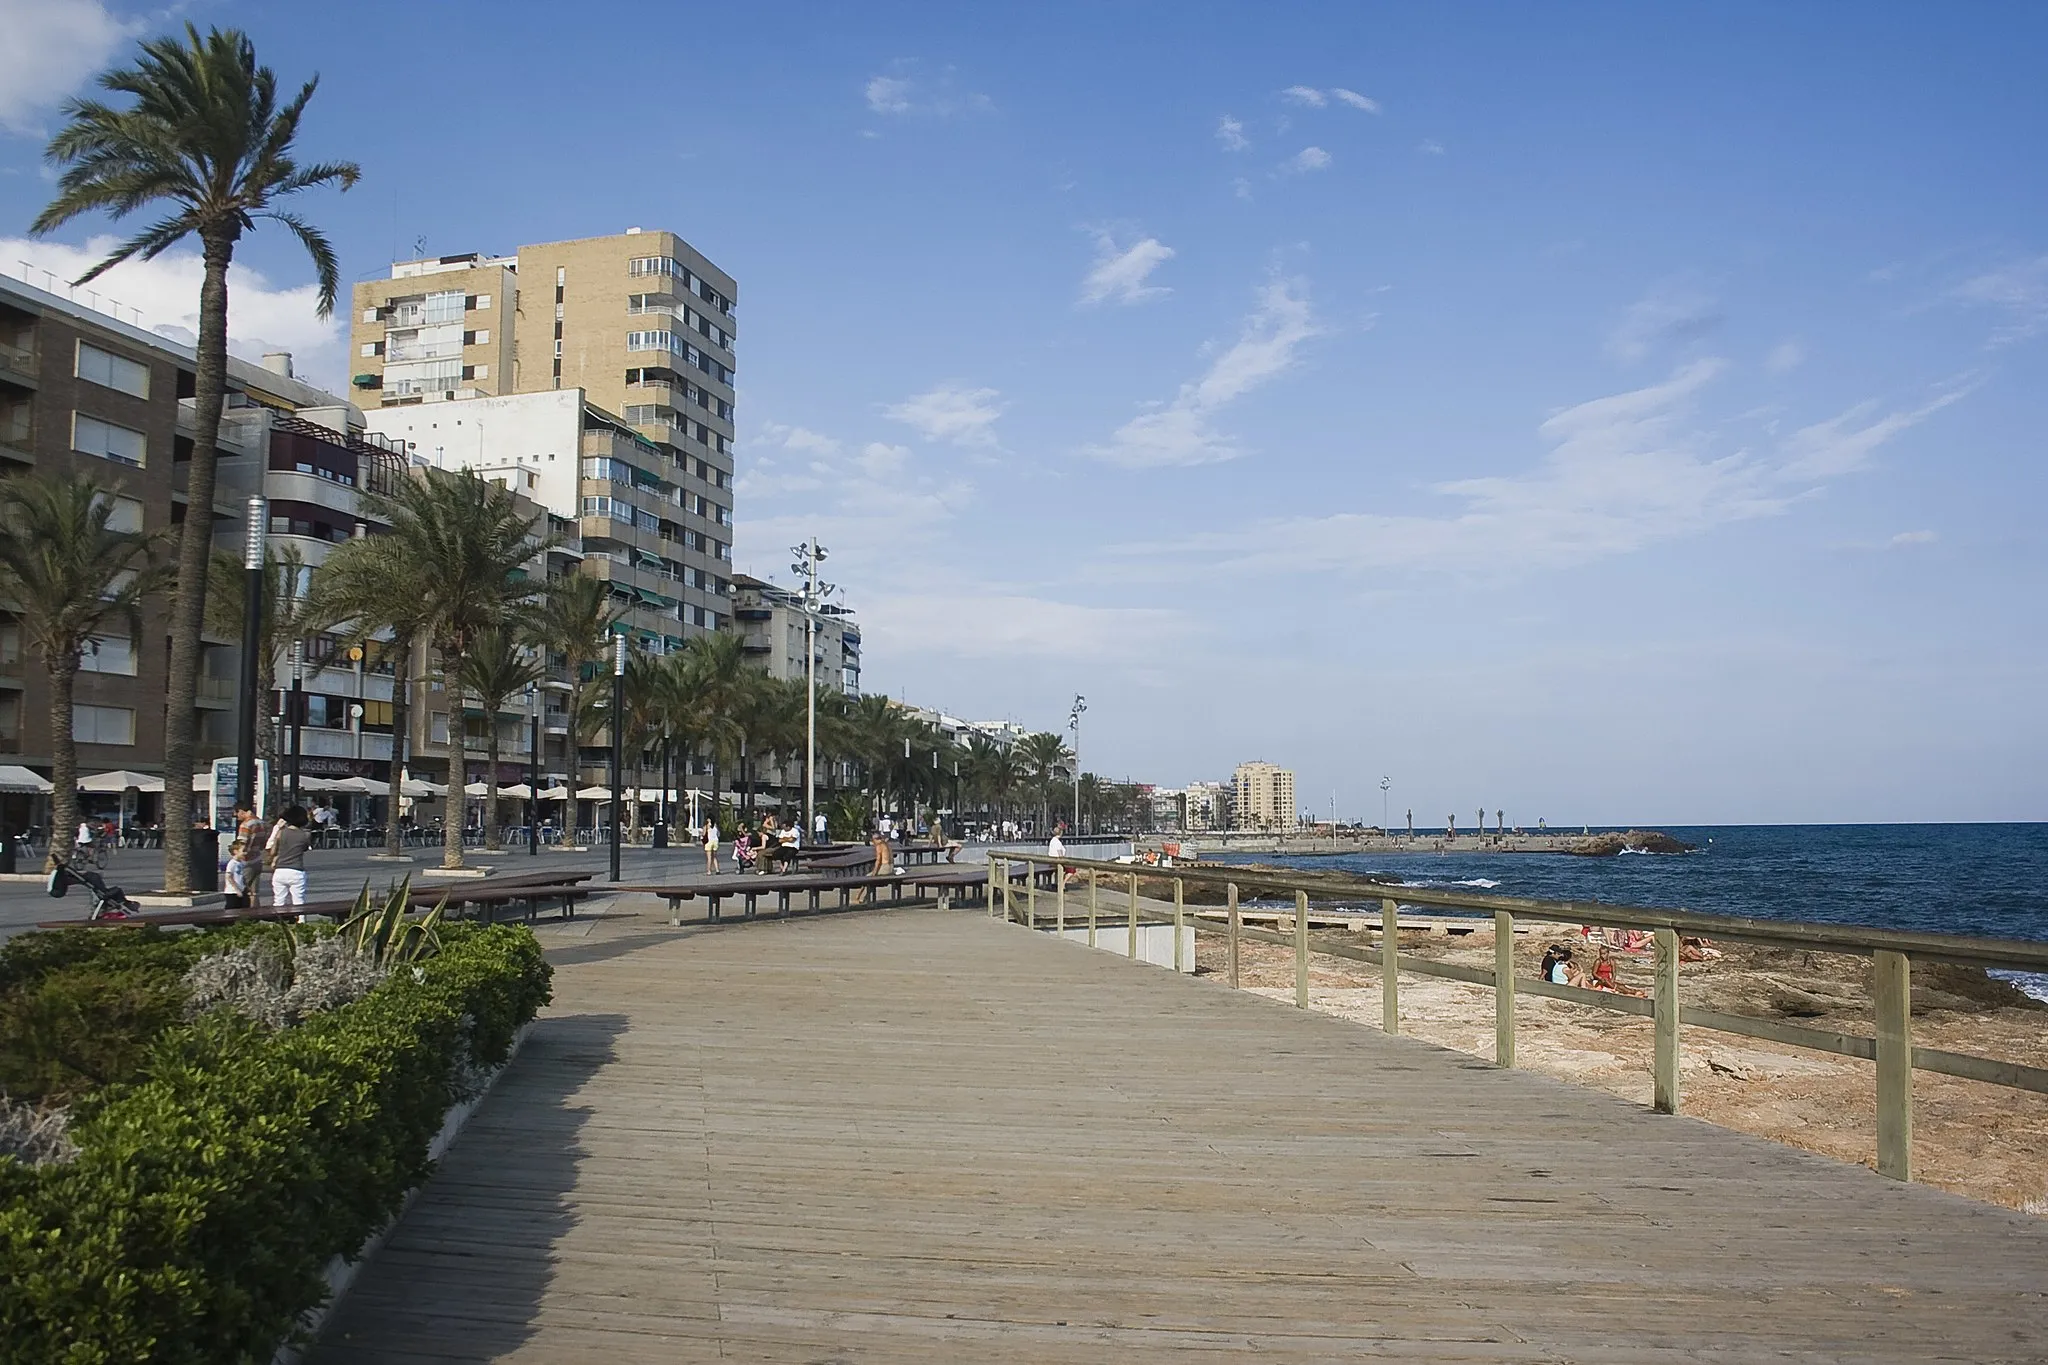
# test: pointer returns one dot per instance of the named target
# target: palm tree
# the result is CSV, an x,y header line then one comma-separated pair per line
x,y
722,677
70,578
498,667
1046,758
207,137
994,772
358,593
575,620
286,599
458,546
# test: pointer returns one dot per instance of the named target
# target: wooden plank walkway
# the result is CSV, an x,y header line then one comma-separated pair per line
x,y
926,1136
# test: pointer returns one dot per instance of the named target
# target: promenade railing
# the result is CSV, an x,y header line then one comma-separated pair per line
x,y
1018,880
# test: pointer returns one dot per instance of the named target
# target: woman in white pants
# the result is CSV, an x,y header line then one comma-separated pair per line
x,y
711,846
287,849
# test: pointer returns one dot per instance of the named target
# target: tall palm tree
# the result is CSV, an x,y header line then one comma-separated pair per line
x,y
458,545
286,599
357,596
1046,757
498,667
575,620
723,677
206,137
70,578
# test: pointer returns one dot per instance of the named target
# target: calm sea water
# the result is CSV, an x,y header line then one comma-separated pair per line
x,y
1958,879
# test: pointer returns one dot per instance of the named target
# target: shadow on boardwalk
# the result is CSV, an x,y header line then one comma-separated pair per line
x,y
466,1270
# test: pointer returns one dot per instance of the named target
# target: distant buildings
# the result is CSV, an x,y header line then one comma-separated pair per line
x,y
1262,797
770,621
1194,809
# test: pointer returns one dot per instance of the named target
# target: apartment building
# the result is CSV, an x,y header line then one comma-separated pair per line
x,y
1262,797
771,623
635,335
1193,809
663,545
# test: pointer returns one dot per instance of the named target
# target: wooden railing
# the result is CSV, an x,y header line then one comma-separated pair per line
x,y
1016,878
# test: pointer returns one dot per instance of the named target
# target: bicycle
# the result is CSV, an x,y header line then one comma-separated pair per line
x,y
102,853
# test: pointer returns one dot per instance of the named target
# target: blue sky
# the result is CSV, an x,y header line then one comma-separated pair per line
x,y
1604,413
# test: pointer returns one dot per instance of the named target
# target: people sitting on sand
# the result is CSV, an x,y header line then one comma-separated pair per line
x,y
1693,948
1603,977
1558,967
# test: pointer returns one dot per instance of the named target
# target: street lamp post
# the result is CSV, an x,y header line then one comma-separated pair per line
x,y
533,771
1386,785
1074,724
618,745
298,711
812,595
256,525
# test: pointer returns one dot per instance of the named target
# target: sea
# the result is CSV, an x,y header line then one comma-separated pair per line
x,y
1986,880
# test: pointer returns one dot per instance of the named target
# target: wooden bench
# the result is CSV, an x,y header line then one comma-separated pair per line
x,y
938,884
485,895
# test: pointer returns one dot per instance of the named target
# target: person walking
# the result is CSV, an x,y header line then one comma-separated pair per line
x,y
287,850
818,828
711,845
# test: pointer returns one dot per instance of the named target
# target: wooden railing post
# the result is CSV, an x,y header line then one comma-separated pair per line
x,y
1893,986
1009,899
1060,900
1390,967
1030,895
1091,909
1664,1014
1503,988
1133,951
1230,894
1301,950
1179,919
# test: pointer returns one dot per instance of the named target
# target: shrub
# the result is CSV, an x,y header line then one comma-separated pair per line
x,y
83,1026
206,1198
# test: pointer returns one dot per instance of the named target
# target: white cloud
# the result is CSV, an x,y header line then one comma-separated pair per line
x,y
53,47
2020,290
165,294
1230,133
1119,274
1180,432
1623,472
908,94
879,460
996,622
1304,94
1356,100
1241,187
889,95
1785,357
799,439
1307,159
1905,539
1429,146
1669,313
953,413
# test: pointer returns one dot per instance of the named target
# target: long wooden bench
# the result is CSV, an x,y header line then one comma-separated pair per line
x,y
942,884
488,894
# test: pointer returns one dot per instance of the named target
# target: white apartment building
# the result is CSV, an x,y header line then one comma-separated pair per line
x,y
1262,798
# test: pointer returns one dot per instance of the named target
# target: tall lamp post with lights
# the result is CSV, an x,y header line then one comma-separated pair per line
x,y
618,747
255,527
812,594
1074,724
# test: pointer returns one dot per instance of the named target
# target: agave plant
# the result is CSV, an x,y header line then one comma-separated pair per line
x,y
385,934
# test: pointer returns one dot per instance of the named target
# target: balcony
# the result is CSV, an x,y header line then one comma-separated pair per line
x,y
326,743
18,361
216,692
13,671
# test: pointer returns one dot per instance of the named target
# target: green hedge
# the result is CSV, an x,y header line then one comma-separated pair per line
x,y
209,1194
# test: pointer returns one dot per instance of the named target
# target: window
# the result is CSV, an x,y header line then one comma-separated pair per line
x,y
445,306
437,727
125,514
91,436
656,341
371,348
369,315
108,654
103,724
483,302
483,371
113,371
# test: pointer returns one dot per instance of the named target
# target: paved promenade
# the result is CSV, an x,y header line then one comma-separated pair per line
x,y
926,1136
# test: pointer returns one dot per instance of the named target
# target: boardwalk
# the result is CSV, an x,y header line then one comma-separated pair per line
x,y
925,1136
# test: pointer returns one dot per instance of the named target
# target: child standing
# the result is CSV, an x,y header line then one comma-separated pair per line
x,y
235,876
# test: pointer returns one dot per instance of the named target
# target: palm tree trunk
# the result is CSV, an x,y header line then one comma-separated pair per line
x,y
401,716
63,760
452,805
492,843
195,545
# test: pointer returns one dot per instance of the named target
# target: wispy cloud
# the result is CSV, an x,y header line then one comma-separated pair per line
x,y
1305,160
1230,134
53,47
165,293
1181,432
1119,273
1429,146
952,413
2019,290
1356,100
1671,313
1785,357
1906,539
1309,97
1306,95
907,93
1622,472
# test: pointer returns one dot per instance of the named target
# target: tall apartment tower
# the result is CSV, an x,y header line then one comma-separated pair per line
x,y
635,334
1263,798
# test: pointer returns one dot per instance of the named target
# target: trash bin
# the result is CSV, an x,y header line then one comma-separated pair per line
x,y
6,848
205,861
660,835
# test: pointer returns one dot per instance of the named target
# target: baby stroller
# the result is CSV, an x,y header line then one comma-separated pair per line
x,y
108,902
743,853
